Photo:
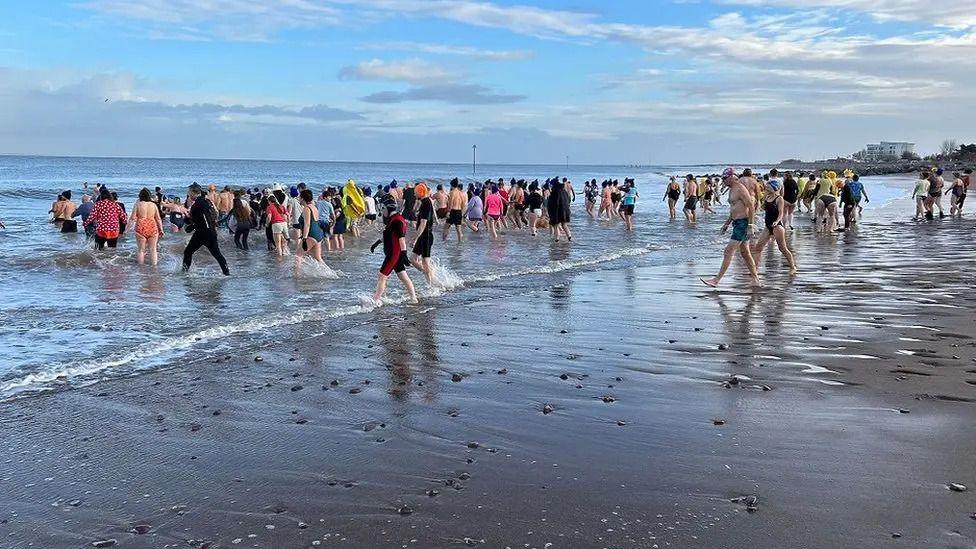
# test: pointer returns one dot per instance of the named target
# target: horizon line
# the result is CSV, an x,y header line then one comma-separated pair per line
x,y
124,157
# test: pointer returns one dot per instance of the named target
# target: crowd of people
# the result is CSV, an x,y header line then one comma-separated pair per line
x,y
315,223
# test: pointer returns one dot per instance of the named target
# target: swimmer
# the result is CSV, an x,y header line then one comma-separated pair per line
x,y
534,203
741,210
424,241
149,227
456,202
691,198
394,252
277,224
107,217
672,194
494,205
203,225
774,207
920,195
791,195
241,222
310,233
629,203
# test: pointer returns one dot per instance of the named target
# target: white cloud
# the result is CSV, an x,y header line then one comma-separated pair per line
x,y
952,13
445,49
407,70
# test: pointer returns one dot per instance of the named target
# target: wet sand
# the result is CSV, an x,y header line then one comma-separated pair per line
x,y
830,411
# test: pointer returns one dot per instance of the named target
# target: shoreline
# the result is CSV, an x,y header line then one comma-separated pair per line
x,y
361,437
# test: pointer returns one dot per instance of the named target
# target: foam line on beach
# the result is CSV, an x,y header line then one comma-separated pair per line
x,y
70,371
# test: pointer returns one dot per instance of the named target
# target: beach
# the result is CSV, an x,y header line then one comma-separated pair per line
x,y
605,400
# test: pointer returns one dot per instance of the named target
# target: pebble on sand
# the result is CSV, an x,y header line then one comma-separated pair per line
x,y
258,359
956,487
405,510
104,543
456,378
547,409
718,422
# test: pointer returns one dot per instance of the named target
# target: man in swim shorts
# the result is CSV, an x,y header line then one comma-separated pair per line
x,y
691,198
456,201
741,210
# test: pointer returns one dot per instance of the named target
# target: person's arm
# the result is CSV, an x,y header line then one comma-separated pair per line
x,y
132,216
372,248
864,191
781,206
306,222
159,222
420,229
92,216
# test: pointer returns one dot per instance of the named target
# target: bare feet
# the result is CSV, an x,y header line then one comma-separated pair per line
x,y
711,282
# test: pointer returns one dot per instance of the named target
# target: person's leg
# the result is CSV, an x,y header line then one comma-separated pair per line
x,y
237,239
750,263
214,248
831,213
781,242
247,232
380,287
759,246
271,237
428,269
726,262
153,244
191,247
532,222
140,249
565,228
408,284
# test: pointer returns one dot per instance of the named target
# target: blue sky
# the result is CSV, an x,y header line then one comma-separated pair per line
x,y
421,80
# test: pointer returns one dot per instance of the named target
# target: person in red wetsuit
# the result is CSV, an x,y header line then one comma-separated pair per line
x,y
394,252
107,217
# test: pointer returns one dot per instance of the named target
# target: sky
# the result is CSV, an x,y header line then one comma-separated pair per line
x,y
599,82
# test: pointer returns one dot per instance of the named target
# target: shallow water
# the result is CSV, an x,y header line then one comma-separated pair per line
x,y
72,315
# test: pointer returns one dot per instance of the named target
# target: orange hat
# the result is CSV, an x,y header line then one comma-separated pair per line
x,y
421,190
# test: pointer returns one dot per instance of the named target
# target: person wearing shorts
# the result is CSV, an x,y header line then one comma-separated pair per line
x,y
394,252
741,210
456,201
424,242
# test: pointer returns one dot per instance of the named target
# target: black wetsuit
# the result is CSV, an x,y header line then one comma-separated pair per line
x,y
425,240
203,216
771,210
791,191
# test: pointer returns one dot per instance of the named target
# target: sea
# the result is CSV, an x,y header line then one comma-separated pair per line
x,y
71,316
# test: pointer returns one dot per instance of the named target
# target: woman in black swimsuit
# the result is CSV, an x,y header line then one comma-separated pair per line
x,y
773,207
672,194
791,193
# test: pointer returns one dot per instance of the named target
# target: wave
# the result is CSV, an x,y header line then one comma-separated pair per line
x,y
445,280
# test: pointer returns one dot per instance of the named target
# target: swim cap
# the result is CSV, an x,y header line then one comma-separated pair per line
x,y
773,184
293,191
729,172
389,204
494,189
421,190
939,171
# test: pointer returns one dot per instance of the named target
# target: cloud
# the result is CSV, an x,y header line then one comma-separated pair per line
x,y
456,94
445,49
236,20
408,70
952,13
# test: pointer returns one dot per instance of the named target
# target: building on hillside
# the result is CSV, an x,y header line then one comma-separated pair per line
x,y
887,149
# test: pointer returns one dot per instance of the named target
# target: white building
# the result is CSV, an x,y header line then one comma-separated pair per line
x,y
887,149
